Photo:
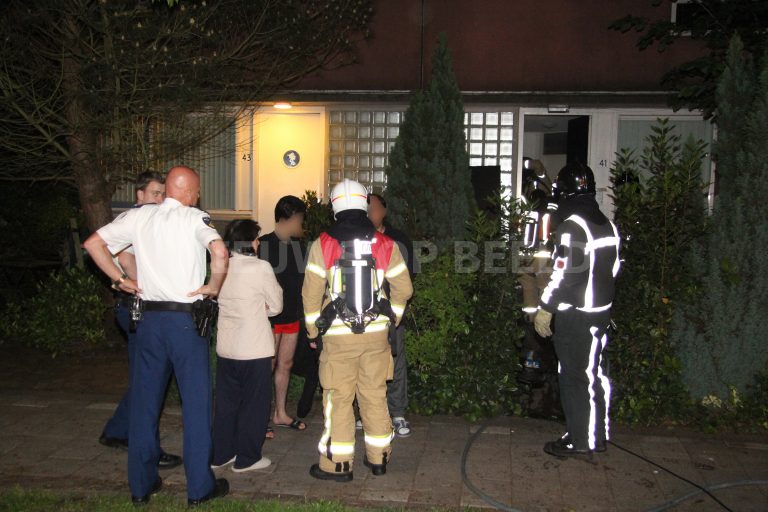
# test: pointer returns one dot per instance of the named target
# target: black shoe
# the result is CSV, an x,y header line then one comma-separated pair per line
x,y
220,489
168,461
376,469
336,476
113,442
140,501
562,449
600,444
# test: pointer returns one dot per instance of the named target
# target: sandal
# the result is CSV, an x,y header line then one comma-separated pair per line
x,y
294,425
270,434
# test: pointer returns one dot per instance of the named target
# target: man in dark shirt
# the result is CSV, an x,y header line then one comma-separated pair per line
x,y
284,251
397,388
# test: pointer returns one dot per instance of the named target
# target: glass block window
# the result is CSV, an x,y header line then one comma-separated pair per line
x,y
490,141
360,142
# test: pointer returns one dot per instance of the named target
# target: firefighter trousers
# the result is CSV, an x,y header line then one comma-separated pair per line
x,y
355,366
585,391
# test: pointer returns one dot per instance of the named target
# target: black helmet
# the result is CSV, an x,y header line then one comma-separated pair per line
x,y
574,179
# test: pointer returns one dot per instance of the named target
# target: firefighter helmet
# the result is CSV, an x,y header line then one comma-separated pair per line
x,y
349,195
574,179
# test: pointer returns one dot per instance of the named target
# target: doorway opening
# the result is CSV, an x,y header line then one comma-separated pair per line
x,y
555,140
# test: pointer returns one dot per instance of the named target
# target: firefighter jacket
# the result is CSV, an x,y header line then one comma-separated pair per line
x,y
319,277
585,265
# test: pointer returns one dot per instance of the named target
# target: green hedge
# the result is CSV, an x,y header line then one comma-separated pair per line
x,y
660,211
463,339
66,314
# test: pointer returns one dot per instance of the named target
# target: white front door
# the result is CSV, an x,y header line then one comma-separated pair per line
x,y
290,157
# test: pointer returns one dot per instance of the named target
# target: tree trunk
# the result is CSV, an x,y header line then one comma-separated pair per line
x,y
94,192
93,188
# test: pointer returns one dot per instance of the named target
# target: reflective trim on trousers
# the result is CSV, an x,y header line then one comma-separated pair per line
x,y
338,448
591,380
606,386
379,441
322,446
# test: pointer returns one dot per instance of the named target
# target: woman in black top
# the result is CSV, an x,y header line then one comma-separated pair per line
x,y
284,251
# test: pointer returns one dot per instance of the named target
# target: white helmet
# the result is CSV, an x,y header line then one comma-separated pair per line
x,y
349,195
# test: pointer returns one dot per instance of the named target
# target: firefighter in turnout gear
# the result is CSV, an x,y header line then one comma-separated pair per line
x,y
533,277
345,303
580,293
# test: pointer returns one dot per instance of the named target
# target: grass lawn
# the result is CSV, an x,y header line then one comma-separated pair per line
x,y
48,501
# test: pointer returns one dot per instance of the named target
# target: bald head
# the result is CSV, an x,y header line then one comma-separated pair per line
x,y
183,185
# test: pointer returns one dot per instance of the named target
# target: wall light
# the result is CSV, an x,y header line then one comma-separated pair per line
x,y
282,105
558,109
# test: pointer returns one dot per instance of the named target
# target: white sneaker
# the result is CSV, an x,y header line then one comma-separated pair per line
x,y
260,464
359,425
402,427
230,461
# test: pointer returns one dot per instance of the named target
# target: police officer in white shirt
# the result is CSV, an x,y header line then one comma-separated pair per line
x,y
170,240
150,188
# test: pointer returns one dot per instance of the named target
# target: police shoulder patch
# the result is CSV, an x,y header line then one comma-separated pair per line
x,y
205,217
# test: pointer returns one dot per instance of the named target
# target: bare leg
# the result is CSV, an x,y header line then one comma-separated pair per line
x,y
270,432
278,339
286,348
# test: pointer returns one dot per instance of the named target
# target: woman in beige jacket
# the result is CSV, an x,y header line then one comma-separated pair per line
x,y
245,347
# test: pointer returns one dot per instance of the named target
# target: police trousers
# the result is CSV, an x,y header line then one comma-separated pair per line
x,y
168,341
117,425
585,391
355,366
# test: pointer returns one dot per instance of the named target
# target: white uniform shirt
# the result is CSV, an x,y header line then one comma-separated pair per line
x,y
170,241
115,253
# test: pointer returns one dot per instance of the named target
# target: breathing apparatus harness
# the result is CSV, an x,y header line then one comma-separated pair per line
x,y
355,291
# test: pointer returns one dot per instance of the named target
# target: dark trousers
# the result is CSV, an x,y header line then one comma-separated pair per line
x,y
305,364
307,398
243,402
165,342
397,388
117,426
585,391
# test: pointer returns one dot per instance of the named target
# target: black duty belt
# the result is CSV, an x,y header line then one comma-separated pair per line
x,y
124,299
156,305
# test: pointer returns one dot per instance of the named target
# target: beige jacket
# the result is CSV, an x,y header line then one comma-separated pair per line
x,y
250,294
